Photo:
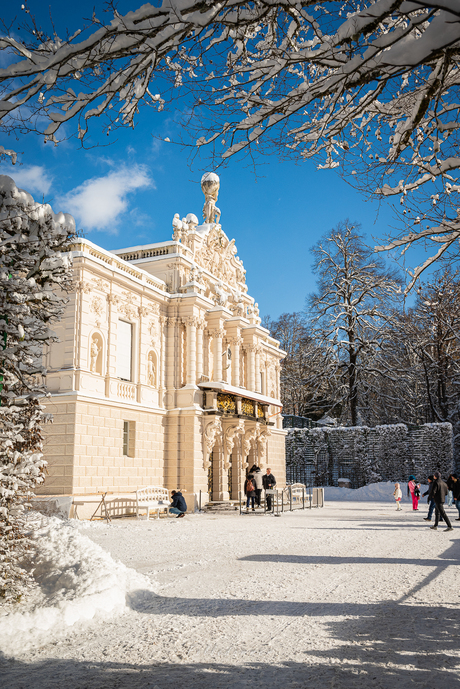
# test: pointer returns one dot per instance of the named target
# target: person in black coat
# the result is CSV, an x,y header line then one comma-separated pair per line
x,y
438,494
269,482
429,499
249,489
456,493
178,504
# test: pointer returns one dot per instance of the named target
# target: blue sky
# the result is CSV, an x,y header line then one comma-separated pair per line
x,y
126,190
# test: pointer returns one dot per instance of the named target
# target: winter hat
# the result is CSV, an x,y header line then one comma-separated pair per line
x,y
437,474
411,478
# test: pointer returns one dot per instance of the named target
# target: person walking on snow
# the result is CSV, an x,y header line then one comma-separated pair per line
x,y
429,499
439,496
398,495
412,490
456,493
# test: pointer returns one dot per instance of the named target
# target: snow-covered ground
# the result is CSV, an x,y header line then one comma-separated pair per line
x,y
352,595
375,492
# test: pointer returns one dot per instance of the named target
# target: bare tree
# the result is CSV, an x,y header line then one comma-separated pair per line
x,y
350,311
435,338
370,85
304,387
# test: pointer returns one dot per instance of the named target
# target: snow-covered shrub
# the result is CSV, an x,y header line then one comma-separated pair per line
x,y
369,455
34,272
437,445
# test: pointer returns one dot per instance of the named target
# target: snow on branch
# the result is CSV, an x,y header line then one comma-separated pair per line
x,y
370,84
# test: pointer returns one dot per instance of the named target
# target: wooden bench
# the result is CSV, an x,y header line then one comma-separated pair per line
x,y
298,491
152,498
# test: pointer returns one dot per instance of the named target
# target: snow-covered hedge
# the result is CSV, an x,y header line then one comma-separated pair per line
x,y
34,271
318,456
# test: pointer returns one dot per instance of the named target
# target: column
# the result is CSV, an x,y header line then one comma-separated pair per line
x,y
218,336
190,324
236,342
199,349
257,370
162,354
252,367
170,359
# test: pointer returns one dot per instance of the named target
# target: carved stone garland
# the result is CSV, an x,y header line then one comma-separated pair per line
x,y
211,431
229,441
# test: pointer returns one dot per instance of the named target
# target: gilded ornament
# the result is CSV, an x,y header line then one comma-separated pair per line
x,y
247,407
226,403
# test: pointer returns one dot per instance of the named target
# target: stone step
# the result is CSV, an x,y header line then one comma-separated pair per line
x,y
224,506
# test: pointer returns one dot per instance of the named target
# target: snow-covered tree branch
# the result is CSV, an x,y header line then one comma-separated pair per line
x,y
369,87
34,272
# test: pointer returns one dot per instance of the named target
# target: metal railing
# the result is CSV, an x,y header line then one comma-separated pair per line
x,y
289,499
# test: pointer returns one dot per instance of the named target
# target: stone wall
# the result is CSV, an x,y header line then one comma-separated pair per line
x,y
84,448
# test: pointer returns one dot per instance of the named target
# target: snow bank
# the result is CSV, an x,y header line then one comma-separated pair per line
x,y
374,492
77,580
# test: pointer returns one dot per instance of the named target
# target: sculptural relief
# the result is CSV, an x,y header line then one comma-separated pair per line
x,y
210,184
95,354
212,432
151,369
218,256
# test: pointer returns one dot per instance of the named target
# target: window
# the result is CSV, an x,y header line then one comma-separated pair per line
x,y
129,436
124,350
125,437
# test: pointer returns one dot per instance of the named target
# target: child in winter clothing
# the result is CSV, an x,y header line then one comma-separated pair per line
x,y
414,491
398,495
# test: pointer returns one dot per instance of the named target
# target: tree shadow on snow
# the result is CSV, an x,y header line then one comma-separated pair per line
x,y
379,645
377,650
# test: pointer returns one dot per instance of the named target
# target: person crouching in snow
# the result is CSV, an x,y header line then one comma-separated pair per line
x,y
178,504
398,495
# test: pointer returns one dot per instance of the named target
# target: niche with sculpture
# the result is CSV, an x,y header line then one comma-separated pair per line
x,y
152,369
96,353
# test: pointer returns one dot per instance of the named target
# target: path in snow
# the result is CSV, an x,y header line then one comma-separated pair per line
x,y
350,596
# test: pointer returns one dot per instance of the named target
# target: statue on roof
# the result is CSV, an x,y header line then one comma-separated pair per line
x,y
210,184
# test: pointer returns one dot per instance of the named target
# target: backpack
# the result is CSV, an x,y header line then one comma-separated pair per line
x,y
249,486
417,492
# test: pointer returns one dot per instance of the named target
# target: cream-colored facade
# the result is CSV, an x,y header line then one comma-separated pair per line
x,y
163,374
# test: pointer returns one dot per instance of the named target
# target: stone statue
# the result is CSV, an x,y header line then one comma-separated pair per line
x,y
94,354
151,371
210,184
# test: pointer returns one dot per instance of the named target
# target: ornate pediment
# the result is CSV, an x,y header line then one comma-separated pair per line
x,y
217,254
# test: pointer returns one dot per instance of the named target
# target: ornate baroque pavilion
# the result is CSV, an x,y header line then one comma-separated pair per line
x,y
163,374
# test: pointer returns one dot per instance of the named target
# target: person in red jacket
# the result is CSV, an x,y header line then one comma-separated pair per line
x,y
414,491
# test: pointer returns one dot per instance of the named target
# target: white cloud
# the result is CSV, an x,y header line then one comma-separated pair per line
x,y
99,203
34,179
